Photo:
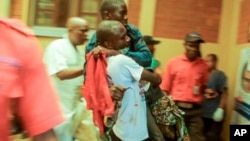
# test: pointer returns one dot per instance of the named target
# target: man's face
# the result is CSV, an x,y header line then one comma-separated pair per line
x,y
121,39
246,81
192,50
120,14
210,62
79,34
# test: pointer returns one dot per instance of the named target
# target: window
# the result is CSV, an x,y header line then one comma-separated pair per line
x,y
51,15
89,10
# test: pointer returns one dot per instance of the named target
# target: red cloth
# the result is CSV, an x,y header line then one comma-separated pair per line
x,y
96,90
23,77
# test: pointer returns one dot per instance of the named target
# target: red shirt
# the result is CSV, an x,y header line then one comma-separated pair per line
x,y
24,82
182,76
96,90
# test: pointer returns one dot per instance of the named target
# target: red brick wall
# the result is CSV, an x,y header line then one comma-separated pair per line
x,y
244,22
16,9
175,18
134,8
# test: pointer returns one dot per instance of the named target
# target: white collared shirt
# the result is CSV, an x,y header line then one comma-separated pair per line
x,y
61,54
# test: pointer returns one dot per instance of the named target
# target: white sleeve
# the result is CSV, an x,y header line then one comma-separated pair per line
x,y
134,69
54,59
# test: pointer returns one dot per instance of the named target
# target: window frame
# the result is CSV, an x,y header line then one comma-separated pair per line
x,y
45,31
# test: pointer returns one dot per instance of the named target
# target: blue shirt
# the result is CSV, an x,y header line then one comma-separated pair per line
x,y
137,50
216,82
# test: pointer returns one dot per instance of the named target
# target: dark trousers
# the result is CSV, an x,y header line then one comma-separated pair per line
x,y
113,136
194,123
212,129
153,130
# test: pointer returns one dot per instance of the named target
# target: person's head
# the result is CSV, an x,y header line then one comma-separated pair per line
x,y
114,10
211,60
192,45
112,35
77,30
246,78
151,42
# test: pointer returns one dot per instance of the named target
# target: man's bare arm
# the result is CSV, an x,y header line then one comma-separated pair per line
x,y
70,73
117,92
153,78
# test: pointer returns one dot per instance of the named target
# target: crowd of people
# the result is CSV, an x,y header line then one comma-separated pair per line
x,y
114,91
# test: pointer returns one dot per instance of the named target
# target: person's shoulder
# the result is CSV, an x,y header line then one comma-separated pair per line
x,y
57,44
202,62
175,59
121,57
133,26
16,25
122,60
220,73
58,41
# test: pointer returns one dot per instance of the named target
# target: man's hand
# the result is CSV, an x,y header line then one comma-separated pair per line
x,y
117,92
209,94
110,52
96,51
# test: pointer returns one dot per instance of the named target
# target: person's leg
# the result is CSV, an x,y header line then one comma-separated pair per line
x,y
85,130
215,131
113,136
194,122
207,127
153,130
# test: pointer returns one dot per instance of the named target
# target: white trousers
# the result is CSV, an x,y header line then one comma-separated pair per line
x,y
78,123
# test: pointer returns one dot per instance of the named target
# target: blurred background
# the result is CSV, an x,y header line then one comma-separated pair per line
x,y
224,24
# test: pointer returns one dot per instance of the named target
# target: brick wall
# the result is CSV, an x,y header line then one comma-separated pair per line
x,y
244,22
134,8
174,18
16,9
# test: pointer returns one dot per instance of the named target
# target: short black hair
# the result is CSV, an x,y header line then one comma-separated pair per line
x,y
213,56
110,5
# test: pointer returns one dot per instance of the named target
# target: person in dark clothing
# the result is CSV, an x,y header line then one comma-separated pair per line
x,y
137,49
151,42
214,100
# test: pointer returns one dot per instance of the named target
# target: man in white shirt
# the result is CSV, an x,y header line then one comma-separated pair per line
x,y
131,123
64,60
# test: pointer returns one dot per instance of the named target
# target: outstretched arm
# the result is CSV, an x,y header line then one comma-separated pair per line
x,y
153,78
141,55
69,73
